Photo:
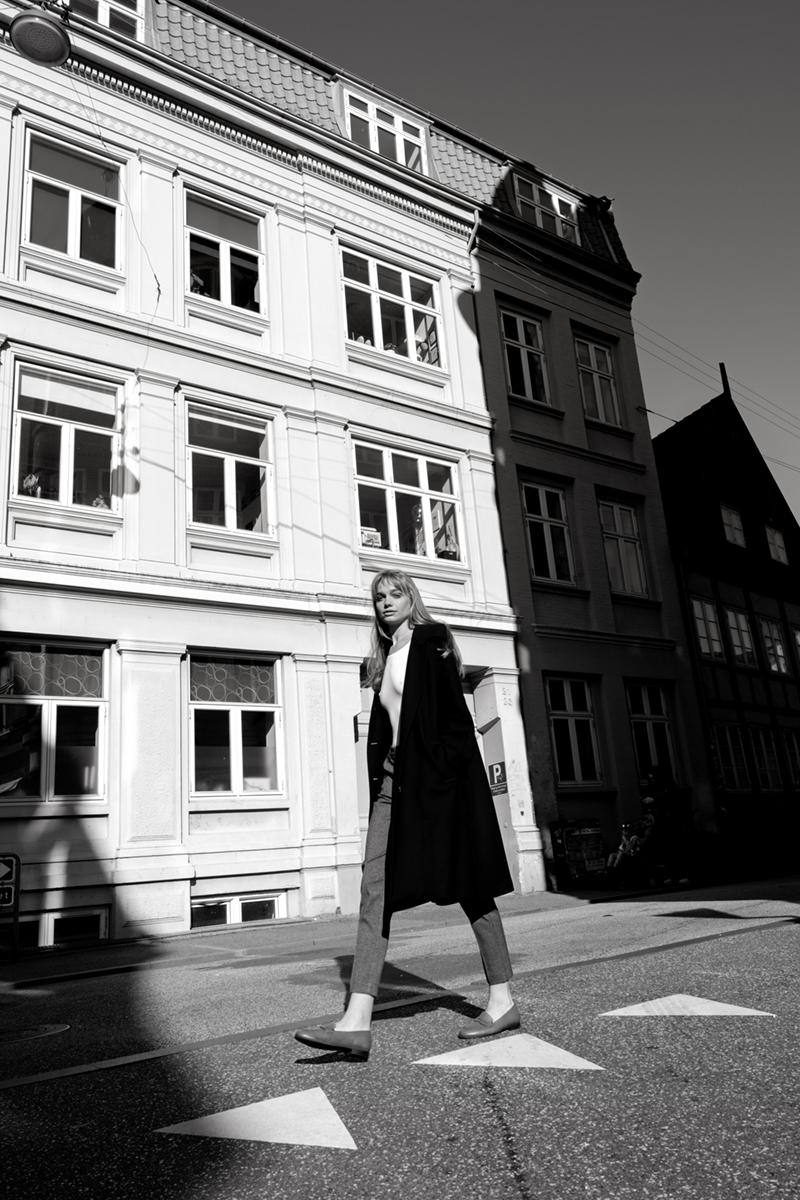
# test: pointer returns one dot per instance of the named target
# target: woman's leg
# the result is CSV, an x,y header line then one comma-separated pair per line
x,y
487,926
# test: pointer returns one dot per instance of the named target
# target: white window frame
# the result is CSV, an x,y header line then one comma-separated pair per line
x,y
49,706
741,635
777,546
548,524
410,307
592,375
570,716
707,628
379,118
774,645
545,207
732,761
237,791
225,246
765,754
791,740
649,720
236,421
525,327
67,429
732,524
75,196
233,905
106,7
427,495
622,539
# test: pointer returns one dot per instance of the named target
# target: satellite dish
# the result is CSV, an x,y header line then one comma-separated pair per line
x,y
40,37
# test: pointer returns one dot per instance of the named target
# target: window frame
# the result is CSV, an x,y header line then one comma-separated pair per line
x,y
649,720
732,525
134,12
791,741
377,294
525,349
777,545
597,373
224,301
760,755
234,795
774,645
48,727
571,715
710,633
618,536
743,656
540,213
378,117
75,194
67,433
738,770
548,523
237,420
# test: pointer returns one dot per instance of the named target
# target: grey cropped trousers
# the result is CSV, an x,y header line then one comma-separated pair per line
x,y
371,945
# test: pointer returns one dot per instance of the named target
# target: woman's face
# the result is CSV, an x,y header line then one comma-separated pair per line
x,y
392,605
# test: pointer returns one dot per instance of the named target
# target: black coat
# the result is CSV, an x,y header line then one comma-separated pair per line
x,y
445,843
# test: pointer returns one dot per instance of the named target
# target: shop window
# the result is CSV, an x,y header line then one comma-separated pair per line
x,y
573,733
623,548
730,750
553,213
774,645
524,354
391,309
386,133
777,546
74,202
224,256
52,722
548,532
707,628
121,16
741,637
408,503
229,472
732,524
652,739
236,723
766,759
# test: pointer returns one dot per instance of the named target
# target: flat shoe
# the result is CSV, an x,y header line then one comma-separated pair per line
x,y
356,1043
484,1026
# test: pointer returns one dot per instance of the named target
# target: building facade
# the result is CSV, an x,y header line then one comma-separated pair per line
x,y
240,375
736,546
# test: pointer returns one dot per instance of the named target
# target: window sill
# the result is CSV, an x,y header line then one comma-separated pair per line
x,y
80,269
35,807
222,314
563,589
215,801
385,360
600,790
631,598
536,406
606,427
226,539
69,278
47,512
384,560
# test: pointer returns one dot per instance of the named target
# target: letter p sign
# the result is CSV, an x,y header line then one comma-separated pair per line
x,y
497,778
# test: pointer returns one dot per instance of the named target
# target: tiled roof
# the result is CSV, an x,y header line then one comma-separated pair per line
x,y
468,171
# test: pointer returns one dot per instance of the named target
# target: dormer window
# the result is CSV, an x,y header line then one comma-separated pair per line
x,y
385,133
121,16
553,213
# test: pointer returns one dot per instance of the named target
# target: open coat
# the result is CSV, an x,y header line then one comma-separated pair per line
x,y
445,843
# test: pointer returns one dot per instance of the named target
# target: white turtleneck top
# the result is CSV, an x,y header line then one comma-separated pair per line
x,y
391,692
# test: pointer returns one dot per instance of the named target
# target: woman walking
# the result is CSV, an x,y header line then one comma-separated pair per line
x,y
433,833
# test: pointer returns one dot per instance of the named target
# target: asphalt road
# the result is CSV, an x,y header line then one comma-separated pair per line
x,y
662,1107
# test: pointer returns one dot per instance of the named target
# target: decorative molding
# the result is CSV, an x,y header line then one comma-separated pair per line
x,y
570,450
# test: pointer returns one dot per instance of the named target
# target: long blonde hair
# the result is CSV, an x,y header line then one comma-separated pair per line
x,y
419,615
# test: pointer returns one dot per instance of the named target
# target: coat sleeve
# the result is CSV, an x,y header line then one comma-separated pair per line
x,y
456,728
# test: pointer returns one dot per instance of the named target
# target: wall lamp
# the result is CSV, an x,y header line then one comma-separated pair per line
x,y
41,36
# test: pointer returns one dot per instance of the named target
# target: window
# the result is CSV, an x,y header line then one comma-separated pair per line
x,y
225,262
731,758
553,213
769,775
230,473
73,201
122,16
732,524
772,634
792,741
377,129
741,638
64,439
394,310
623,548
410,504
236,723
597,382
52,722
525,358
233,910
548,534
651,734
573,731
705,619
777,546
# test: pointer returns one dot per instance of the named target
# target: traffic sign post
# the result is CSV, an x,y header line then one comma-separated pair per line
x,y
9,893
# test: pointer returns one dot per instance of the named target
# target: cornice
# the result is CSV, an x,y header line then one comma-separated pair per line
x,y
569,450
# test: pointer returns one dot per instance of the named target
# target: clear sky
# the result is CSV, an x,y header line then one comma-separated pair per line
x,y
685,112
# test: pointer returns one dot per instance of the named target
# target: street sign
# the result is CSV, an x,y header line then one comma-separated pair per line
x,y
9,880
497,779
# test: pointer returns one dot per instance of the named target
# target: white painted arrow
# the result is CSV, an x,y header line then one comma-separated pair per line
x,y
299,1119
685,1006
520,1050
6,868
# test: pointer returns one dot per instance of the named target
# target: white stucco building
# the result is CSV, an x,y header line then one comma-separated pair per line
x,y
239,376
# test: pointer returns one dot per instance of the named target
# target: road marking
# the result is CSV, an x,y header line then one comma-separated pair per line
x,y
299,1119
519,1050
685,1006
